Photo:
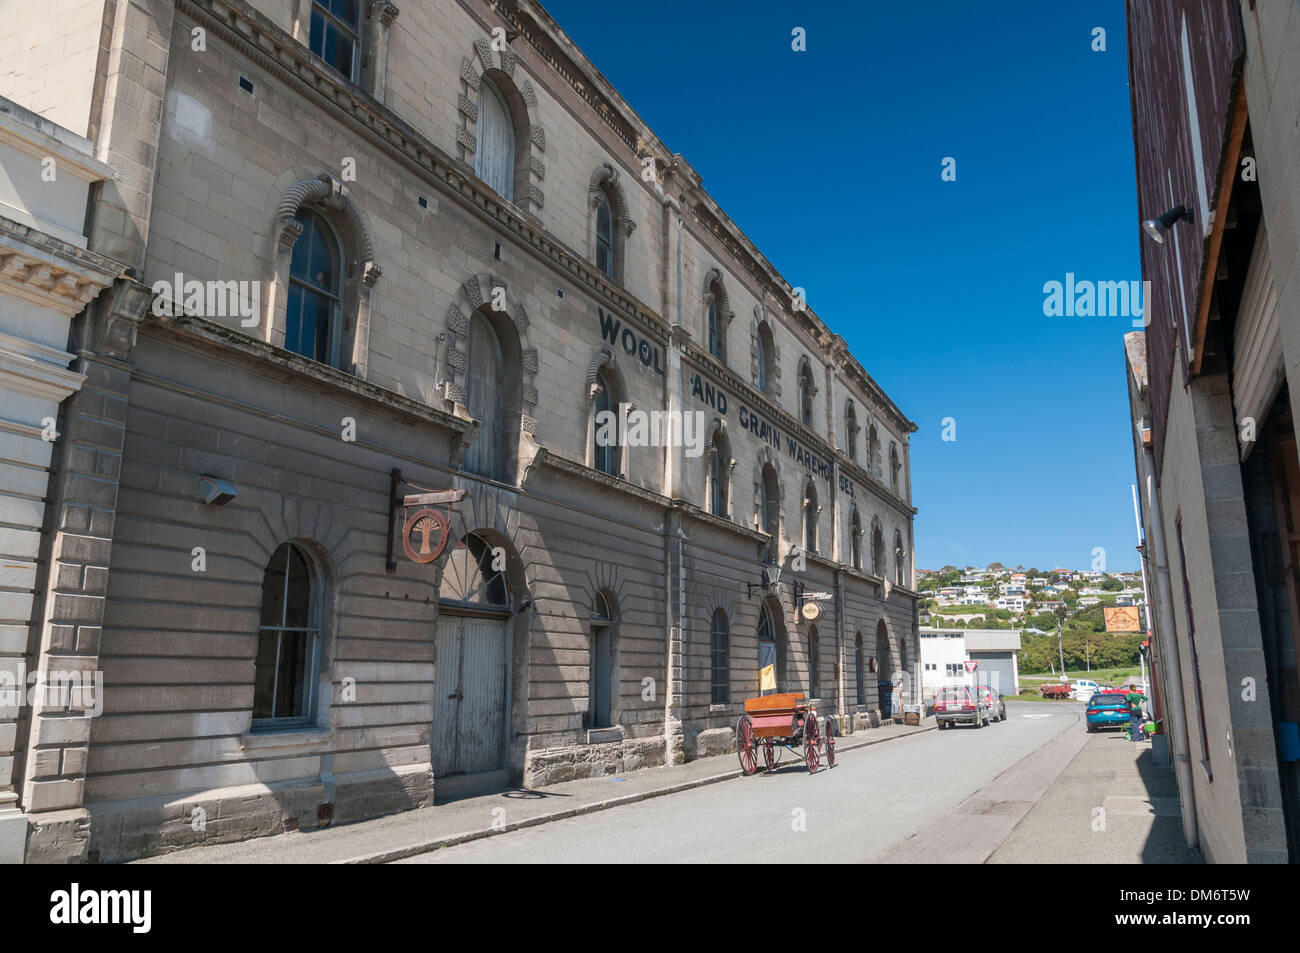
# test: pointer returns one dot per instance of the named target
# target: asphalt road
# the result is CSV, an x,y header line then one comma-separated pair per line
x,y
879,799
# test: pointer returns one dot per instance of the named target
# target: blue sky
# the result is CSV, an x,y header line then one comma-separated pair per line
x,y
830,162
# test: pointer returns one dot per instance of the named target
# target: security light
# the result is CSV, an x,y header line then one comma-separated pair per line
x,y
1157,228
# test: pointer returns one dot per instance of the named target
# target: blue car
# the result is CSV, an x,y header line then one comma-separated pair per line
x,y
1106,710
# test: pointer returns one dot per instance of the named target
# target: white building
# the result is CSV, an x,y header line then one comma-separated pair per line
x,y
944,653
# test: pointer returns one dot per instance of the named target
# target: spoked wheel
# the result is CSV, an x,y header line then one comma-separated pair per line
x,y
812,743
830,743
745,745
769,754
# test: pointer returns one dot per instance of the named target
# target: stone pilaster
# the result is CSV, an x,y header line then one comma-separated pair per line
x,y
75,551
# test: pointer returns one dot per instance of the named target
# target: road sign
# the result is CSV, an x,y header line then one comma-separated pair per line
x,y
971,666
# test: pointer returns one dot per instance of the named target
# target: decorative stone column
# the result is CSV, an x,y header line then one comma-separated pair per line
x,y
381,16
75,552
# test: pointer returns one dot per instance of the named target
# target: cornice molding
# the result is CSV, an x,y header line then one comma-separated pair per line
x,y
228,343
48,271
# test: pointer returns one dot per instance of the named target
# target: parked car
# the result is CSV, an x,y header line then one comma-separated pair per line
x,y
1083,689
957,705
996,705
1106,710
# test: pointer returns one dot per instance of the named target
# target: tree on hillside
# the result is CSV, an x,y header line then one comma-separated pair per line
x,y
1112,584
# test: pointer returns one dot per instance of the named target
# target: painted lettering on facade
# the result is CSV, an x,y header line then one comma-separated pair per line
x,y
632,344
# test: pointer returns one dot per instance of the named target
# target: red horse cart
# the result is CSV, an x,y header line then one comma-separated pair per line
x,y
774,723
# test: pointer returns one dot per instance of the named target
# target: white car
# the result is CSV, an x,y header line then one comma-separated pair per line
x,y
1084,689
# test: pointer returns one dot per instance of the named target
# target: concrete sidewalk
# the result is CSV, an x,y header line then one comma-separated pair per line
x,y
1111,805
412,832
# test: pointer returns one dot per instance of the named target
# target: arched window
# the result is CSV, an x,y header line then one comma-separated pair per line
x,y
483,400
771,648
720,672
807,390
715,332
877,549
766,359
605,237
814,660
474,577
900,572
851,431
859,670
288,647
810,518
494,157
719,475
769,493
312,315
335,34
873,452
855,538
600,693
894,467
605,448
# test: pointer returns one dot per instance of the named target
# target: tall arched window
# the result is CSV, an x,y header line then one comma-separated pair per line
x,y
810,518
877,549
769,493
771,661
859,670
483,399
814,660
895,465
605,237
855,538
335,34
720,671
719,475
494,156
766,359
288,646
715,332
807,390
900,572
311,326
602,681
605,449
873,452
851,431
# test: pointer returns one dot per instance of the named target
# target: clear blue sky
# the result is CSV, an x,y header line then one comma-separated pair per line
x,y
830,159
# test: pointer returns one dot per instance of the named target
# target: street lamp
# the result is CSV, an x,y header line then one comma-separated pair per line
x,y
1060,617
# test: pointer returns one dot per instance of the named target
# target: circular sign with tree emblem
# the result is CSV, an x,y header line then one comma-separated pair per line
x,y
424,535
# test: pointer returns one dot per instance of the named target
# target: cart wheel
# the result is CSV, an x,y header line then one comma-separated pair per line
x,y
830,743
745,745
769,754
812,743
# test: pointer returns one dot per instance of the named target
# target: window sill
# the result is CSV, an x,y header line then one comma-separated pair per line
x,y
286,741
719,709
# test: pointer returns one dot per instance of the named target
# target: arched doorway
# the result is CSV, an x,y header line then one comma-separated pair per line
x,y
471,712
885,671
771,647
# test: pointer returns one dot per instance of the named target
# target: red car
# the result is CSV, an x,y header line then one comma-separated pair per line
x,y
956,704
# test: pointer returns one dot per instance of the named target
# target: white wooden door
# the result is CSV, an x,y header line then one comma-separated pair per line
x,y
470,703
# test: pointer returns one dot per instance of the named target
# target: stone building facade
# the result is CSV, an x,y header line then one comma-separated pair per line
x,y
1215,87
371,252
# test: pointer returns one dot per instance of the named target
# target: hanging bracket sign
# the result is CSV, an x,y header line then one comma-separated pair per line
x,y
425,532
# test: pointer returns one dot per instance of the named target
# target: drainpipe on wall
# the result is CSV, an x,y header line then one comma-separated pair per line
x,y
1177,713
